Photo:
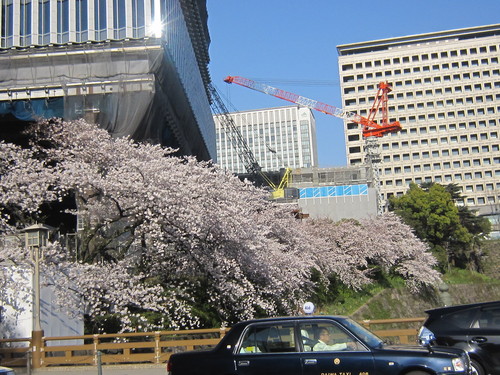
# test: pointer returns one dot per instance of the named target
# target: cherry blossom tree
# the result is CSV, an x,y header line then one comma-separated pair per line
x,y
354,247
175,236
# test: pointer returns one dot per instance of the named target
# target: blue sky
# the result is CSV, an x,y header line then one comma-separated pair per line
x,y
292,45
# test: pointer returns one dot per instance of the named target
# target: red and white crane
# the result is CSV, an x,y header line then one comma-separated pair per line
x,y
370,129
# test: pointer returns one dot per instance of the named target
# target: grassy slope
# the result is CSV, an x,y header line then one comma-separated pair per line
x,y
396,301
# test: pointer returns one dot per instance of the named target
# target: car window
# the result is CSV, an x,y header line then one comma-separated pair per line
x,y
278,338
488,318
324,336
461,319
368,336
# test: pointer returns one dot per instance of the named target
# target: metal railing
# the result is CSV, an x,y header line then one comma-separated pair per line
x,y
154,347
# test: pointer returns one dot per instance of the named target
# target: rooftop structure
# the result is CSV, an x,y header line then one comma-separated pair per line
x,y
335,193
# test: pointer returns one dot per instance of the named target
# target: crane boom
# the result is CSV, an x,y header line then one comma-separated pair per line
x,y
370,127
245,154
240,145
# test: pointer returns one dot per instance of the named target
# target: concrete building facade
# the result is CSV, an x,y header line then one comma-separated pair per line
x,y
278,137
446,95
136,67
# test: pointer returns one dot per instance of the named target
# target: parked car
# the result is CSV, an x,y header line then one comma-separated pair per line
x,y
6,371
474,328
314,345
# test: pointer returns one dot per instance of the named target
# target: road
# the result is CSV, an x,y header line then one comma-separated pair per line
x,y
93,370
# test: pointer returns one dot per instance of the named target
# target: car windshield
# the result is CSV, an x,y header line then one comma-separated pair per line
x,y
368,337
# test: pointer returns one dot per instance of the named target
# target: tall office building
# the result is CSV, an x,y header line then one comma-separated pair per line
x,y
136,67
278,138
446,95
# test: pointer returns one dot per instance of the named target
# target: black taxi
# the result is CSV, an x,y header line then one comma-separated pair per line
x,y
314,345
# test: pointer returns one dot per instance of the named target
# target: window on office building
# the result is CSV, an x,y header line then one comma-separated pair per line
x,y
138,23
7,30
43,21
62,21
119,19
100,11
25,22
82,33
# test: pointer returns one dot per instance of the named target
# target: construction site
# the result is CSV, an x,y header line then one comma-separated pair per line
x,y
334,193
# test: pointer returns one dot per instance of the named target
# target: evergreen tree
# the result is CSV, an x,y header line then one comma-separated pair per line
x,y
454,233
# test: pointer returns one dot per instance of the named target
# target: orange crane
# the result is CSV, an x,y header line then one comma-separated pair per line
x,y
370,129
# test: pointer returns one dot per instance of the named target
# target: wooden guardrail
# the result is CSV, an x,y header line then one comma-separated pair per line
x,y
397,331
155,347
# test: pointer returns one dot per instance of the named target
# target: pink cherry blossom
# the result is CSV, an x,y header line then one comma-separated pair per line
x,y
162,232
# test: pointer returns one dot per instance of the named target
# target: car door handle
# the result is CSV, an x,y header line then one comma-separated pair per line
x,y
243,363
478,340
310,361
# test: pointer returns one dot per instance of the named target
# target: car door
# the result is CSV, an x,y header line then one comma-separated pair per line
x,y
484,337
328,348
268,349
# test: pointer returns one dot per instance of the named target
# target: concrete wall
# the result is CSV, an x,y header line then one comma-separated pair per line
x,y
17,314
341,207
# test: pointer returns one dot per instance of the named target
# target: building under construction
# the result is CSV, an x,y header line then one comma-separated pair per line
x,y
136,68
334,193
115,63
